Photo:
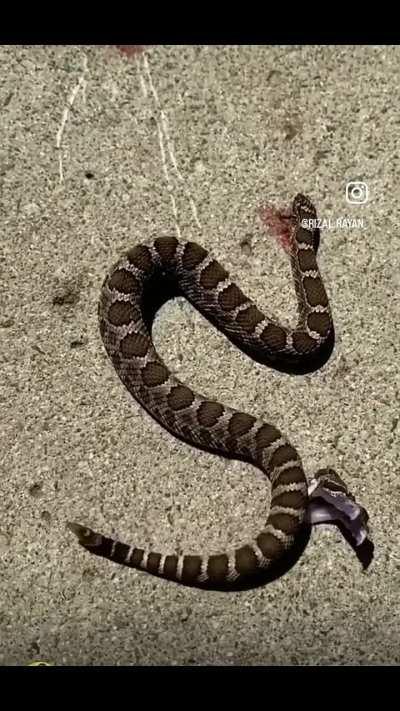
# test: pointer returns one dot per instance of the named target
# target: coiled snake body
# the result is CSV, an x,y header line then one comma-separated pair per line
x,y
207,423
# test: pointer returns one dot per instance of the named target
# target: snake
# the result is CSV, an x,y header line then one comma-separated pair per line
x,y
208,424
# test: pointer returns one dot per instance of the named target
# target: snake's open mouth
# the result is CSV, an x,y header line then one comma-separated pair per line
x,y
331,502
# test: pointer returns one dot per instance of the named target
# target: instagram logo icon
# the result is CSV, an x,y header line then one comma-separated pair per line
x,y
356,192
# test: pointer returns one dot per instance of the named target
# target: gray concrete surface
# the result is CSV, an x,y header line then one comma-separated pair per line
x,y
194,140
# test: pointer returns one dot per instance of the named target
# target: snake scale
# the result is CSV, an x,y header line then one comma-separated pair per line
x,y
210,424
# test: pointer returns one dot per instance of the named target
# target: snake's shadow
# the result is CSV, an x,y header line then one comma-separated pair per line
x,y
156,294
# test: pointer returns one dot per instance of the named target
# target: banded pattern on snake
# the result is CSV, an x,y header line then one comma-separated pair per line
x,y
207,423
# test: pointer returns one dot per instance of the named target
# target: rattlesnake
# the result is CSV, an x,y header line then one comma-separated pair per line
x,y
207,423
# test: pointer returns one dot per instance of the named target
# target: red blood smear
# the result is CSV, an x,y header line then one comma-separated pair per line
x,y
278,224
130,50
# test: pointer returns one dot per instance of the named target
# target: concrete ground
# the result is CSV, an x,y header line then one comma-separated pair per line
x,y
99,151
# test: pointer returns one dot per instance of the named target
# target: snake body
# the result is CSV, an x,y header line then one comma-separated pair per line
x,y
205,422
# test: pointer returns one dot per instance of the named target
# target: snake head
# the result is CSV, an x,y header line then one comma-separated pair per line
x,y
331,502
86,537
303,208
305,215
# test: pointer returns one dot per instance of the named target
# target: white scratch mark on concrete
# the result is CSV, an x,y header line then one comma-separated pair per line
x,y
164,128
81,84
170,146
141,81
164,164
167,178
84,81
